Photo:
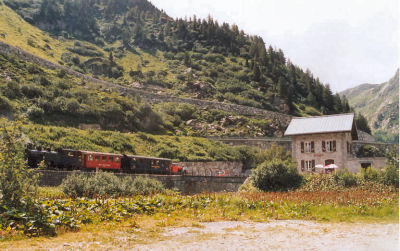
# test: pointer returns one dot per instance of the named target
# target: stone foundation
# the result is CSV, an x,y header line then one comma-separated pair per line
x,y
213,168
260,143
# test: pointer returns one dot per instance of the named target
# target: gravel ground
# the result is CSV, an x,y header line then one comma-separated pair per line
x,y
273,235
280,235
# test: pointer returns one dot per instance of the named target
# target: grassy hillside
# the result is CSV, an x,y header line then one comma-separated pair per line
x,y
53,98
52,106
133,43
380,105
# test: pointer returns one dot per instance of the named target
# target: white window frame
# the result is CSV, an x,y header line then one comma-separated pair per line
x,y
307,147
329,145
308,165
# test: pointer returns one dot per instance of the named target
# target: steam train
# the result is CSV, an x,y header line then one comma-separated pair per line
x,y
67,159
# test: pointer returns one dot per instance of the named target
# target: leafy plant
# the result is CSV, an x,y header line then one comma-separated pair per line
x,y
345,178
103,184
276,175
16,181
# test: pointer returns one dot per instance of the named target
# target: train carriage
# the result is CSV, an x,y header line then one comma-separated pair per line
x,y
101,161
141,164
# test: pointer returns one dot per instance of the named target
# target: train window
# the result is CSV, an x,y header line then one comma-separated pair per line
x,y
117,159
90,157
110,159
97,158
104,158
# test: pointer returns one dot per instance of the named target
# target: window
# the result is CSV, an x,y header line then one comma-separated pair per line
x,y
117,159
329,146
307,147
111,159
97,158
104,158
90,157
308,165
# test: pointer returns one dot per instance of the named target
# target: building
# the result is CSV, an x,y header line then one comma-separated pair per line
x,y
331,139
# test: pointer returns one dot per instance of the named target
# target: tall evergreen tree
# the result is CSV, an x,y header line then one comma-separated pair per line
x,y
362,123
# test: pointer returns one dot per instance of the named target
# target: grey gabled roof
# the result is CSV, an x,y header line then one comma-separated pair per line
x,y
321,124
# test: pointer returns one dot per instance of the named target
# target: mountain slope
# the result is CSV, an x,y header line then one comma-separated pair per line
x,y
379,103
133,43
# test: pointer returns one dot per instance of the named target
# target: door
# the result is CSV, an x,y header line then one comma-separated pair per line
x,y
329,161
365,165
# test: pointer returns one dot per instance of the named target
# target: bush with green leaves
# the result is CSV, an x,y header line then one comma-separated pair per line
x,y
276,175
390,175
370,174
75,185
345,178
5,104
103,184
16,181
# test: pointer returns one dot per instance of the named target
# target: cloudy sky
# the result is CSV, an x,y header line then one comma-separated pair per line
x,y
343,42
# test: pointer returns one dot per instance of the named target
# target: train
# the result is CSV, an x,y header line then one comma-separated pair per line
x,y
68,159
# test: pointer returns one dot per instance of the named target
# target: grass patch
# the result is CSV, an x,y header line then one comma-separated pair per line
x,y
151,214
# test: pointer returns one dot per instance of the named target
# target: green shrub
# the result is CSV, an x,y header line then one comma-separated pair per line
x,y
248,187
35,113
105,184
345,178
74,185
276,175
370,174
16,181
368,151
274,152
12,90
390,176
145,185
31,91
5,104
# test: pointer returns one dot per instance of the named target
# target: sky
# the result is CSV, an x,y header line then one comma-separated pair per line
x,y
343,42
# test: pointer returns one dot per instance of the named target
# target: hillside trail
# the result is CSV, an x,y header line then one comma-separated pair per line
x,y
232,235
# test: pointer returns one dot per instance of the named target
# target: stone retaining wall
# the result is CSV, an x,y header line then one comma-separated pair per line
x,y
150,97
356,145
185,184
260,143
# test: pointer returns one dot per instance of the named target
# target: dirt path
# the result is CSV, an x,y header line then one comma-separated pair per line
x,y
273,235
280,235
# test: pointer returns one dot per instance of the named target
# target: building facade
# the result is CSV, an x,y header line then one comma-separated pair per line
x,y
325,140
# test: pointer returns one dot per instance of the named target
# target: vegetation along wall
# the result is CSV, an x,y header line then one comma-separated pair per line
x,y
185,184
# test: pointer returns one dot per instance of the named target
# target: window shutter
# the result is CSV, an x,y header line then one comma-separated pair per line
x,y
302,165
312,146
334,146
323,146
302,147
313,165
